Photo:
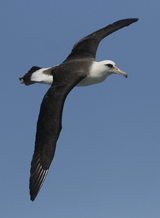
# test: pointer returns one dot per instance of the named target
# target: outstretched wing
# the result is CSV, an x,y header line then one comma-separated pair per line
x,y
87,46
49,127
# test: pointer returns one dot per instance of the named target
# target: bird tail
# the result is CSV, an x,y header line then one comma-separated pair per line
x,y
26,79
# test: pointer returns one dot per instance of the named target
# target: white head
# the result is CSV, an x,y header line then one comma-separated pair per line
x,y
109,67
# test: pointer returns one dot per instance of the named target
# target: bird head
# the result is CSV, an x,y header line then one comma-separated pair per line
x,y
110,67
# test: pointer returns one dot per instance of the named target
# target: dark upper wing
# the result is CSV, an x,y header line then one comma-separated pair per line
x,y
87,46
49,127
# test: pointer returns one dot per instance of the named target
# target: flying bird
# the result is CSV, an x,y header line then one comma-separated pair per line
x,y
78,69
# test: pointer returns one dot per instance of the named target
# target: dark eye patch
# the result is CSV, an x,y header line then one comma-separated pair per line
x,y
109,65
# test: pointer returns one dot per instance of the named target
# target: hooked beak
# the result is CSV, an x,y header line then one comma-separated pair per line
x,y
118,71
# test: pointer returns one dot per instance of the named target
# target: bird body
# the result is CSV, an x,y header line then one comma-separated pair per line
x,y
79,69
96,72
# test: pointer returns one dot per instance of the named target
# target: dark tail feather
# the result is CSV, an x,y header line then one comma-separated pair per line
x,y
26,79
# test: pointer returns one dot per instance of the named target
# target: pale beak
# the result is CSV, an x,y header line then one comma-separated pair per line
x,y
118,71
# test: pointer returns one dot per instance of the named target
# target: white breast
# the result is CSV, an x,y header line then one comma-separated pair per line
x,y
97,74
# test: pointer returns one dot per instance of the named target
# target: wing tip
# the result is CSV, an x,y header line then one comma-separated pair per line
x,y
125,22
32,198
128,20
135,19
36,181
132,20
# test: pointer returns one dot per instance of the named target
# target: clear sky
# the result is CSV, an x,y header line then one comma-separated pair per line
x,y
107,161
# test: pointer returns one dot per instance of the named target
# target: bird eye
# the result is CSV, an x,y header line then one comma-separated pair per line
x,y
109,65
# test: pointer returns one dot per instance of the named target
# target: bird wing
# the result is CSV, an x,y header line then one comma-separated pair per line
x,y
87,46
49,126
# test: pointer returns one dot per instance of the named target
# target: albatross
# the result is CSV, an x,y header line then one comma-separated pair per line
x,y
79,69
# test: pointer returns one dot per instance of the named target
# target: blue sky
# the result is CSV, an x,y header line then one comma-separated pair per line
x,y
107,161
